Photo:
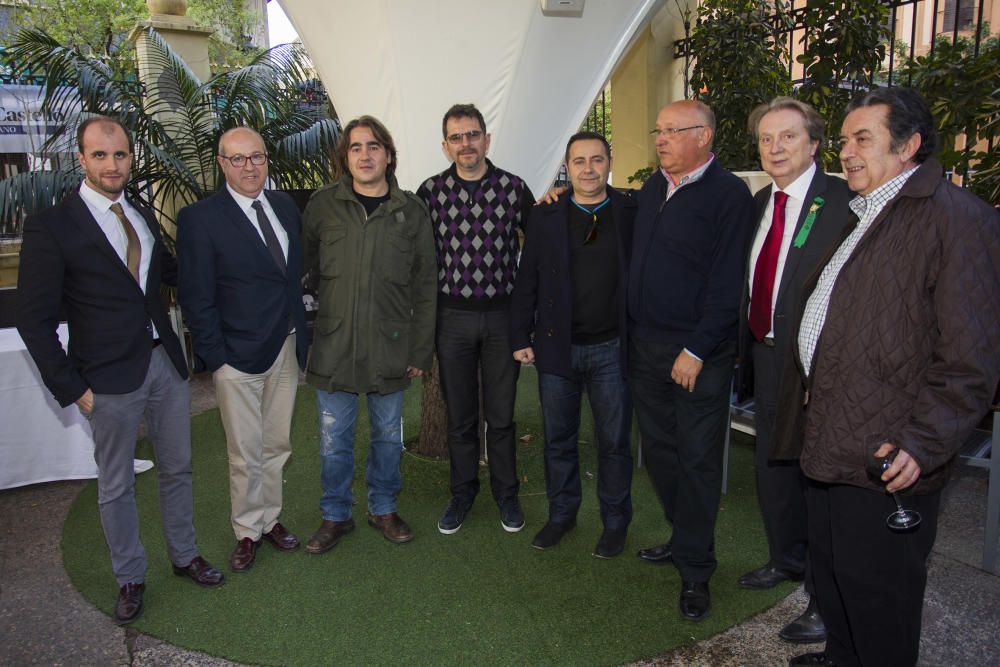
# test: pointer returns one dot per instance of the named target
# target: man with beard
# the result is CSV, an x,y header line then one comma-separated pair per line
x,y
101,259
476,210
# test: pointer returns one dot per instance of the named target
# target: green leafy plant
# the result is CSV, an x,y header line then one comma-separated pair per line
x,y
175,130
844,44
963,90
740,62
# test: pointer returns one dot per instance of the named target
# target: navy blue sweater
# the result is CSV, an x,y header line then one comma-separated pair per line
x,y
688,261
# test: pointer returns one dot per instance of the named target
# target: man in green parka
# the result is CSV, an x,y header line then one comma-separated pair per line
x,y
372,247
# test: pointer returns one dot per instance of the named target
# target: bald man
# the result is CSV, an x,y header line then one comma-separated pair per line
x,y
239,284
689,249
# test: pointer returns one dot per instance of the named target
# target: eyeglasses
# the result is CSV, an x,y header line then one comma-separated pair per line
x,y
669,132
256,159
471,135
591,231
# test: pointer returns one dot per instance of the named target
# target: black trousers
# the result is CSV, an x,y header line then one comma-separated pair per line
x,y
467,342
781,486
869,580
683,440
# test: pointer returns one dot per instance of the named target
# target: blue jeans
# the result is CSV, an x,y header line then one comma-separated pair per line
x,y
338,412
598,369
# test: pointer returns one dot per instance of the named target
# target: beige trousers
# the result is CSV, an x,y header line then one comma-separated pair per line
x,y
256,412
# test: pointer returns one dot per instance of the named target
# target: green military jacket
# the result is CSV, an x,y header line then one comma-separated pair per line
x,y
377,283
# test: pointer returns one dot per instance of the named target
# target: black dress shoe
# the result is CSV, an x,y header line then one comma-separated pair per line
x,y
243,555
807,628
695,600
129,604
661,554
611,543
814,659
768,576
201,573
281,538
551,534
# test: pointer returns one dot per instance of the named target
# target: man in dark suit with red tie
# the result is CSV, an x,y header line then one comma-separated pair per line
x,y
240,269
801,216
101,259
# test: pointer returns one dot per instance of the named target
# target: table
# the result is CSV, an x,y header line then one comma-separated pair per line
x,y
39,441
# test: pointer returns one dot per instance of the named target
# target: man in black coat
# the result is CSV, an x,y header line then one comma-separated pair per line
x,y
568,317
801,216
240,258
101,258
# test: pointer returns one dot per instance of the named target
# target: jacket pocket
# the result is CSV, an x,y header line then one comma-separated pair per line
x,y
393,348
399,259
332,252
329,351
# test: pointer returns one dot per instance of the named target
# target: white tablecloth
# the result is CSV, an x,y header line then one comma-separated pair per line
x,y
39,441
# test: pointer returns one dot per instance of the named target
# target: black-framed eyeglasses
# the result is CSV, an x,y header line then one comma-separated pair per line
x,y
673,131
256,159
471,135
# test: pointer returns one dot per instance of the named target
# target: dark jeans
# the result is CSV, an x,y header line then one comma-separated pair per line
x,y
683,440
468,341
598,369
869,580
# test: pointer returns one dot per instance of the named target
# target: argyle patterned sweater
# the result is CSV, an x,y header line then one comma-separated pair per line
x,y
476,235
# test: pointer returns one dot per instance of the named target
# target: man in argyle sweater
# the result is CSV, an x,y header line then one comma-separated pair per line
x,y
476,209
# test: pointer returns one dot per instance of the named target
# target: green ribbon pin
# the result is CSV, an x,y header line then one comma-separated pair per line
x,y
800,238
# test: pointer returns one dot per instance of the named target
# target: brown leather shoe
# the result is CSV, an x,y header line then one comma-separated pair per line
x,y
243,555
281,538
327,535
392,526
129,605
201,572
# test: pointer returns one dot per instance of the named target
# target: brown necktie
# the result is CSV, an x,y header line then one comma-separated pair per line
x,y
133,252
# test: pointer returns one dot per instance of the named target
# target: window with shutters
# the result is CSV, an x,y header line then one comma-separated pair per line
x,y
962,11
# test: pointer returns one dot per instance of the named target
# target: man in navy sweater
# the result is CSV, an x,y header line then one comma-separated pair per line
x,y
690,244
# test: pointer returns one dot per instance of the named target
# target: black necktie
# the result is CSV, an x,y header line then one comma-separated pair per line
x,y
269,236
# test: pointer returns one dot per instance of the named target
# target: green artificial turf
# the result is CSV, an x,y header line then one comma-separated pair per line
x,y
479,596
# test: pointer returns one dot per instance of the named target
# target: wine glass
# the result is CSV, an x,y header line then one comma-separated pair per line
x,y
902,520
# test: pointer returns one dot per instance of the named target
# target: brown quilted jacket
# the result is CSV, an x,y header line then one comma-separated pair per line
x,y
910,349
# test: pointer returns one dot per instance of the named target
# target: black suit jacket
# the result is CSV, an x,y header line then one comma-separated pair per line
x,y
541,306
828,229
67,260
236,300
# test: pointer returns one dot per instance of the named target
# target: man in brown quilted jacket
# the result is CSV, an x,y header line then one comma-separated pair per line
x,y
898,348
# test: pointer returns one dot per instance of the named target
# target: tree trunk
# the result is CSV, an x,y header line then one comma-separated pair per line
x,y
433,440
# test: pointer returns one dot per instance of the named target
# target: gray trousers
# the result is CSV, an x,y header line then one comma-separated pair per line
x,y
164,400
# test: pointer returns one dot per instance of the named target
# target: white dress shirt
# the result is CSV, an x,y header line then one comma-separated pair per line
x,y
246,204
100,208
796,192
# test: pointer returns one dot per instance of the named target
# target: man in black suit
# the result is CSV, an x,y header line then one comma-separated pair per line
x,y
101,258
240,268
802,215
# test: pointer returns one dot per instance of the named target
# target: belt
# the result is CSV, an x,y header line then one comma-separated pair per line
x,y
767,342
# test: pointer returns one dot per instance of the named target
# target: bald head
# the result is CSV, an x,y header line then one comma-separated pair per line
x,y
684,132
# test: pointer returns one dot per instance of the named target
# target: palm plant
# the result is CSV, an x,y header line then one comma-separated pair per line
x,y
175,122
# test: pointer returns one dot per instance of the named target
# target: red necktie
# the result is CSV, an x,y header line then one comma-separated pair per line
x,y
765,269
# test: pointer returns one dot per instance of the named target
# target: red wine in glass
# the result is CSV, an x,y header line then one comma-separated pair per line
x,y
902,520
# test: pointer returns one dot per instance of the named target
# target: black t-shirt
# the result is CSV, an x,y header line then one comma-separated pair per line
x,y
371,203
594,268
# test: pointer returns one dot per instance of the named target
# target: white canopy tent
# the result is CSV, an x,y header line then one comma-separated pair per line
x,y
534,76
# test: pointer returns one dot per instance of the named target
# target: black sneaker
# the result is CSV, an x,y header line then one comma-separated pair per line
x,y
454,515
511,516
551,534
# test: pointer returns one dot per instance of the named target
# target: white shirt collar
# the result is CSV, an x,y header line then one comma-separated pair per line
x,y
798,188
98,201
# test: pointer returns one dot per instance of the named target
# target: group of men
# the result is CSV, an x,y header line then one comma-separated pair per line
x,y
862,313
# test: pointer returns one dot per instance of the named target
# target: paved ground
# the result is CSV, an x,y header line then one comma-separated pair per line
x,y
44,621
